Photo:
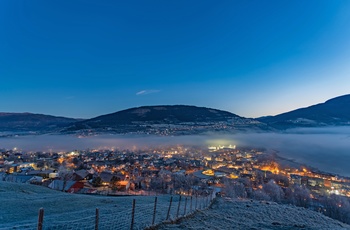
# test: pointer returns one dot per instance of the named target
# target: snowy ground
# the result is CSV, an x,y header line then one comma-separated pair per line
x,y
246,214
20,203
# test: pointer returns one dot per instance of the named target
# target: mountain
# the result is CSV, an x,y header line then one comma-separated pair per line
x,y
29,122
167,119
333,112
180,119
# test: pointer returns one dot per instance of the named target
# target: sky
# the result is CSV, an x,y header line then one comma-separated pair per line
x,y
254,58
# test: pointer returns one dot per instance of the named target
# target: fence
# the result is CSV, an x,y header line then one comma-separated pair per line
x,y
139,215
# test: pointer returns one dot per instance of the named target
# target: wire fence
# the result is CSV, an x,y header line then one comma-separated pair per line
x,y
138,215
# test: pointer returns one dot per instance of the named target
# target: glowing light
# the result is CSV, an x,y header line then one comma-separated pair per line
x,y
208,172
233,176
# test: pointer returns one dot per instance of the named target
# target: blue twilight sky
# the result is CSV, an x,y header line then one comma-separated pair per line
x,y
83,58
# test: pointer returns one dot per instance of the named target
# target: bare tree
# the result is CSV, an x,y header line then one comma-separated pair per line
x,y
279,179
274,191
234,189
336,207
299,196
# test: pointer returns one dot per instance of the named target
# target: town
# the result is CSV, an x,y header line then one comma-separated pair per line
x,y
172,170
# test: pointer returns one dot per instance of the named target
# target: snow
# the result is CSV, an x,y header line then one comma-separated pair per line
x,y
20,204
248,214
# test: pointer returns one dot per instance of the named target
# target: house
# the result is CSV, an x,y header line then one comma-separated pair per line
x,y
36,179
76,187
67,186
199,174
296,179
82,175
16,178
123,185
28,165
106,178
53,175
33,172
11,168
87,191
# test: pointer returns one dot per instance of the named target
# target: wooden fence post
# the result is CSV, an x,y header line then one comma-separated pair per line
x,y
199,203
191,205
97,218
40,218
185,206
171,200
154,210
178,207
133,214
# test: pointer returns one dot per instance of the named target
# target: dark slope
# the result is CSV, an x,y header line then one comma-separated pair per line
x,y
32,122
161,114
163,117
335,111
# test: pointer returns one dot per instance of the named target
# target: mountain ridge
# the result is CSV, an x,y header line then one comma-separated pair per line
x,y
333,112
165,119
33,122
181,119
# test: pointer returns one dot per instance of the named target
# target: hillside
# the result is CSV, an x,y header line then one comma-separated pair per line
x,y
333,112
20,204
176,118
20,122
180,119
246,214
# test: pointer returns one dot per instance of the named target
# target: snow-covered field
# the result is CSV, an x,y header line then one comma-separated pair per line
x,y
247,214
20,203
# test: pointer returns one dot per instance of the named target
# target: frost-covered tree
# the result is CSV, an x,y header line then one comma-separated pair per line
x,y
234,189
157,184
336,207
273,191
260,195
184,182
259,177
299,196
279,179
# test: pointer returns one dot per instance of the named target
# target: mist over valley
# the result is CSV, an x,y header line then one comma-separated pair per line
x,y
327,149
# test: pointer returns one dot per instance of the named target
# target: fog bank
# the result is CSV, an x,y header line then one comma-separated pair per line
x,y
325,148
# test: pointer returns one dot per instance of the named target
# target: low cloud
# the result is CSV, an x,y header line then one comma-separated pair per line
x,y
147,91
323,148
